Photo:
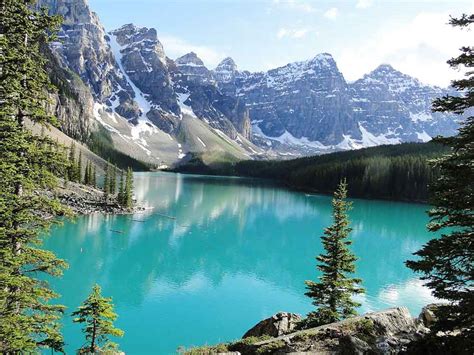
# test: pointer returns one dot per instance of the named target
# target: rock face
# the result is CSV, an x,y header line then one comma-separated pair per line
x,y
394,106
309,106
386,331
139,94
275,326
140,97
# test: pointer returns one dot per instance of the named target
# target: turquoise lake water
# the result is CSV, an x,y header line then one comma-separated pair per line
x,y
238,251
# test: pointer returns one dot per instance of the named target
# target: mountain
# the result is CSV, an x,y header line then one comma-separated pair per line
x,y
308,107
153,109
157,110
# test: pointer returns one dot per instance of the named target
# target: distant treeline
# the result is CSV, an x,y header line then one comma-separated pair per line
x,y
394,172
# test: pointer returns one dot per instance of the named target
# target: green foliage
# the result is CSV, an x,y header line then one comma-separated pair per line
x,y
100,142
128,191
28,163
112,179
332,294
396,172
447,262
106,185
73,173
94,177
97,314
79,168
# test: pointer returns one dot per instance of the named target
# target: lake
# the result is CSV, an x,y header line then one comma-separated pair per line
x,y
238,251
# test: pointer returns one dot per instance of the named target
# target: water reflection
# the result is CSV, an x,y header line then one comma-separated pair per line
x,y
216,255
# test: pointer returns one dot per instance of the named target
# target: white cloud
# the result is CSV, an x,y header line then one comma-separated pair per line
x,y
175,47
299,5
332,13
419,48
363,4
292,33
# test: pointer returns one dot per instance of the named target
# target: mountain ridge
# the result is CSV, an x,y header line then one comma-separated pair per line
x,y
306,107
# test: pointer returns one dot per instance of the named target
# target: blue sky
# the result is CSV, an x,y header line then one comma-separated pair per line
x,y
262,34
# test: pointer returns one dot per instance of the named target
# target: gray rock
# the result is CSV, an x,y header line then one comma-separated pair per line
x,y
427,315
387,331
277,325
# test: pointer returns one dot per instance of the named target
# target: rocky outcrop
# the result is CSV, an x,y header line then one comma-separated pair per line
x,y
384,332
275,326
428,316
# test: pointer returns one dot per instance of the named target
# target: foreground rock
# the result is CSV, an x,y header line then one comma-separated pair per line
x,y
275,326
385,332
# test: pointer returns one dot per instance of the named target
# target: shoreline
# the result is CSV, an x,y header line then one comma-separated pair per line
x,y
86,200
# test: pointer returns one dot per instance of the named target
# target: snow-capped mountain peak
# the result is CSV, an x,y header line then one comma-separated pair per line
x,y
189,59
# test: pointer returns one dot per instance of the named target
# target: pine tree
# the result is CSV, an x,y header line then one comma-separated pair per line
x,y
72,168
94,176
28,320
128,197
113,179
79,168
97,313
121,192
447,262
332,294
106,187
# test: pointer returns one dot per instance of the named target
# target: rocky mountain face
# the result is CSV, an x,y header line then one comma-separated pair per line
x,y
157,109
147,102
308,107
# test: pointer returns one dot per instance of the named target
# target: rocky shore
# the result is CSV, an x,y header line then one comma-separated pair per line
x,y
385,332
83,200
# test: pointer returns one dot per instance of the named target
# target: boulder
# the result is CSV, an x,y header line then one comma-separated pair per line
x,y
277,325
428,316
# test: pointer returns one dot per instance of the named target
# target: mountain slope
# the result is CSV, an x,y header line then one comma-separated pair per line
x,y
136,97
140,96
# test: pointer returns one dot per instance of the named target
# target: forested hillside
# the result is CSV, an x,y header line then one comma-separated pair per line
x,y
396,172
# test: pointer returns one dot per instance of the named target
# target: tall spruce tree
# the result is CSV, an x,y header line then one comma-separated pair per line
x,y
113,180
447,262
79,168
28,320
106,186
332,295
94,176
97,314
128,193
72,167
121,191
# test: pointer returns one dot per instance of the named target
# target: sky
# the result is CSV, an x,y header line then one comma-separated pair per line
x,y
412,36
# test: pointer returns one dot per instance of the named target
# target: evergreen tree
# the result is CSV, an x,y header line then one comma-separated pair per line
x,y
128,194
79,168
106,187
89,173
94,176
72,168
447,262
332,294
121,192
113,180
97,313
28,320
